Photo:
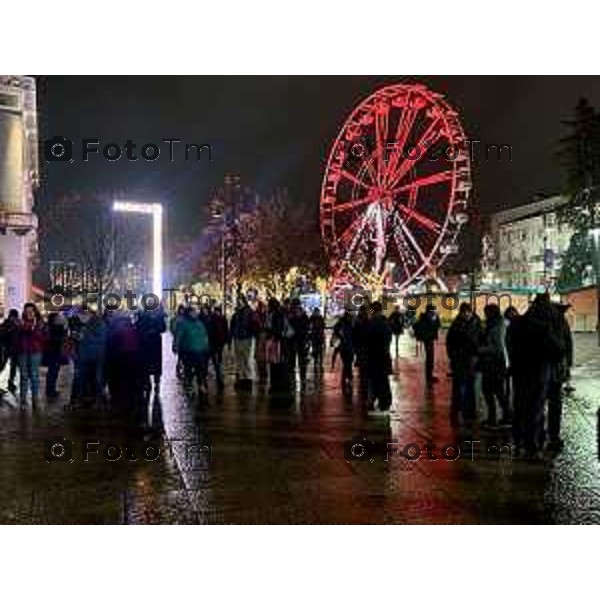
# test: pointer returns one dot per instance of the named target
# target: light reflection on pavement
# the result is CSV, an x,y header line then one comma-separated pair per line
x,y
283,462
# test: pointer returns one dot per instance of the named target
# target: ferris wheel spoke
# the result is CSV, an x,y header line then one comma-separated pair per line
x,y
405,125
380,245
431,135
382,112
425,181
371,171
409,258
411,238
353,231
402,253
355,180
352,204
422,219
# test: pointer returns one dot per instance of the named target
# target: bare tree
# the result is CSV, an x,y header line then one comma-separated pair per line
x,y
85,231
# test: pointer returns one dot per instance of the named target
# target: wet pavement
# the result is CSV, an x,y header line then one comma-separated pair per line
x,y
246,458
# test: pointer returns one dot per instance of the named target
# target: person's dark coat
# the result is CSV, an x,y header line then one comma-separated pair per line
x,y
396,321
462,343
427,327
244,325
343,331
124,367
299,322
493,346
360,333
536,339
55,341
218,331
317,329
379,338
151,324
565,364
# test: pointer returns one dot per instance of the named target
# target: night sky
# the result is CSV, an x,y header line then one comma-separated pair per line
x,y
276,131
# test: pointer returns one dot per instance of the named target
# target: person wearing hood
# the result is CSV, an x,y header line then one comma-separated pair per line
x,y
461,346
494,360
535,344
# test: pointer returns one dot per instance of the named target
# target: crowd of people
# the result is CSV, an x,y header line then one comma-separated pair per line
x,y
524,364
117,355
364,340
269,343
520,362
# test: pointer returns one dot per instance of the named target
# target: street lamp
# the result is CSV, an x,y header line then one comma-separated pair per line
x,y
156,211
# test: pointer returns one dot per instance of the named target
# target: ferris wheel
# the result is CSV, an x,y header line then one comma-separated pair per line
x,y
396,188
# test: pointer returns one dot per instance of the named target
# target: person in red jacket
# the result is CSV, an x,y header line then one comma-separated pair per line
x,y
31,338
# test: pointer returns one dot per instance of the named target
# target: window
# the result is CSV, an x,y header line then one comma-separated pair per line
x,y
9,101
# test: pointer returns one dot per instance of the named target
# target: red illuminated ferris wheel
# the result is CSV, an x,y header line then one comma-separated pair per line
x,y
396,188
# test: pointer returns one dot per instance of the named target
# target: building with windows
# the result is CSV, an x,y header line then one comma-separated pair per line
x,y
65,275
18,180
135,277
527,244
522,256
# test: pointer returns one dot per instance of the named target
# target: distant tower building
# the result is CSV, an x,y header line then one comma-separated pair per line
x,y
18,179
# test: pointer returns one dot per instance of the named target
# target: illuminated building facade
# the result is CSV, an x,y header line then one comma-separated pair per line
x,y
18,180
63,274
528,244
